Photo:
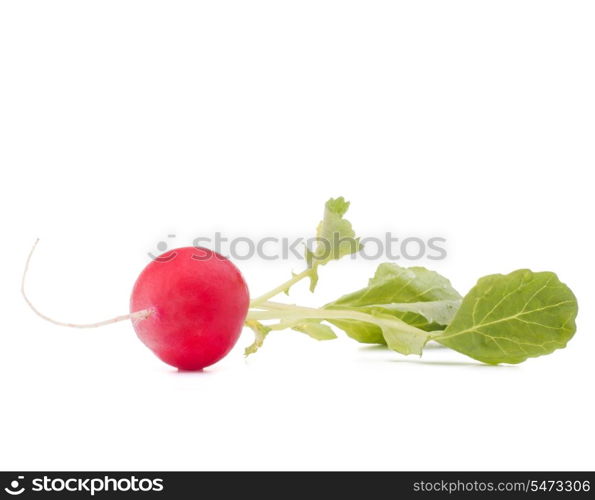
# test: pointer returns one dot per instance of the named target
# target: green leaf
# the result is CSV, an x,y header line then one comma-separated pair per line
x,y
260,333
315,329
395,333
509,318
399,336
415,295
440,312
311,327
395,284
364,332
335,238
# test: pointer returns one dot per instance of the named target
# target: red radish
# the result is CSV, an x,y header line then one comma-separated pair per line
x,y
188,306
197,302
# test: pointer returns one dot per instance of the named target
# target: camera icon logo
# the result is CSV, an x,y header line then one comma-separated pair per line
x,y
14,489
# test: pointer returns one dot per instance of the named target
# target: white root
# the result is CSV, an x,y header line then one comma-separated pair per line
x,y
135,316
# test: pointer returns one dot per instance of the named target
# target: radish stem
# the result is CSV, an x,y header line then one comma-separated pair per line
x,y
281,288
288,314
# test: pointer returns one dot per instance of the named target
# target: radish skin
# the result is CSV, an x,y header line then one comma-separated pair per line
x,y
198,301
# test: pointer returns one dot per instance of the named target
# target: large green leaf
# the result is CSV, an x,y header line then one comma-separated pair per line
x,y
509,318
419,297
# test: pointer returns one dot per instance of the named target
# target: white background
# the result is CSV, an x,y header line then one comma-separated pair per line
x,y
123,121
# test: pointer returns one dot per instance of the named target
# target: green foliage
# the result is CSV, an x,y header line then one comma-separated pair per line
x,y
416,295
503,319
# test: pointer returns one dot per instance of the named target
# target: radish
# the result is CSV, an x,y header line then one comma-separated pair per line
x,y
196,302
188,307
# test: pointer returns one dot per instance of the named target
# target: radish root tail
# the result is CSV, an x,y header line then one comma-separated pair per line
x,y
135,316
